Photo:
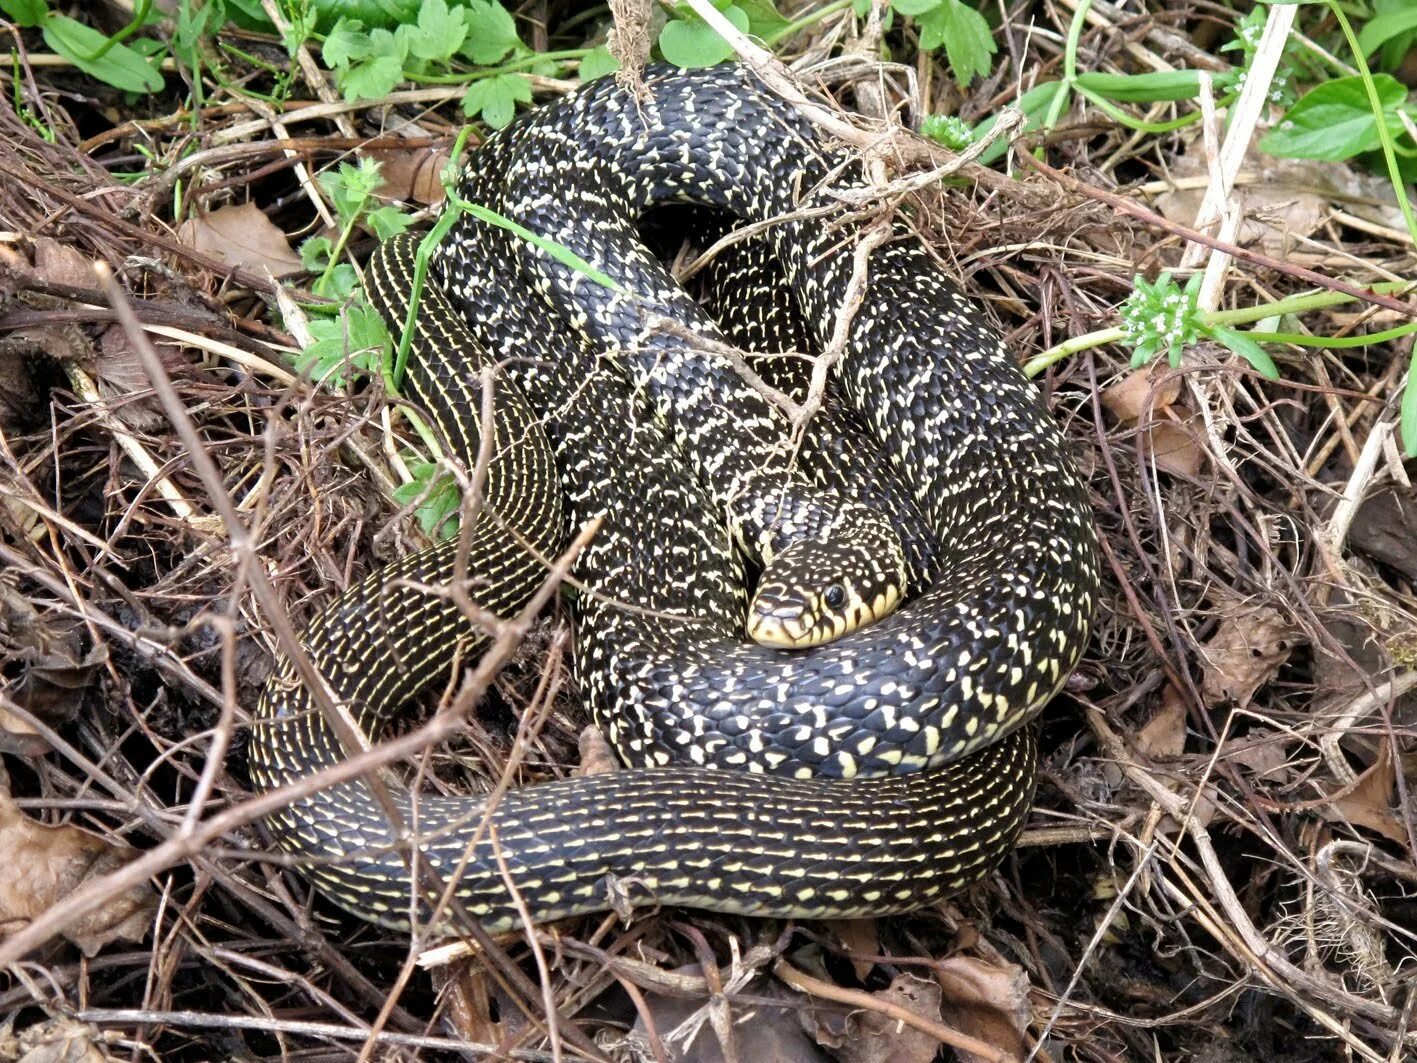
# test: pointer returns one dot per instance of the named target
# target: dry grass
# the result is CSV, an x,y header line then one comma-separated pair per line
x,y
1220,861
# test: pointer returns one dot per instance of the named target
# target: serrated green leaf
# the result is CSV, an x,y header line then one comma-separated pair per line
x,y
440,497
119,66
315,253
692,42
1334,121
965,34
346,43
1245,347
439,33
387,221
491,32
372,79
597,63
24,13
1153,87
496,98
355,340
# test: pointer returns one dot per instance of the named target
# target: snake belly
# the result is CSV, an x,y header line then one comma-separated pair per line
x,y
874,774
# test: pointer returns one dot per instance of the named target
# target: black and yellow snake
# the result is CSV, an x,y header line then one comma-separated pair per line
x,y
872,774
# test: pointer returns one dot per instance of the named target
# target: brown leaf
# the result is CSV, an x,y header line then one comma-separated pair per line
x,y
242,236
57,1041
50,671
1148,399
412,176
861,938
59,263
1145,391
1368,803
1267,760
688,1034
987,1001
1163,737
44,864
1245,653
597,754
876,1038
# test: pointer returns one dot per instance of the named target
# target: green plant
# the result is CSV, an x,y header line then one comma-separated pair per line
x,y
1162,316
100,56
437,495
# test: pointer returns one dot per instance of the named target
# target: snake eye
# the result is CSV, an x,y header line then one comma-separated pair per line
x,y
836,596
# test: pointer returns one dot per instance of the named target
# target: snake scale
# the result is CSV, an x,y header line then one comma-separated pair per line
x,y
873,774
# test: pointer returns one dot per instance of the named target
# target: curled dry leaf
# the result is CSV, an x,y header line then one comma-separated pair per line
x,y
1281,200
862,939
1163,737
44,864
244,237
47,674
1368,802
1148,400
1245,653
873,1037
58,263
56,1041
597,755
412,175
987,1001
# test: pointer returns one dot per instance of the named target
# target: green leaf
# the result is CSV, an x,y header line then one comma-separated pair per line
x,y
346,43
915,8
1152,87
350,187
491,32
1034,104
1409,409
372,79
597,63
356,339
440,498
964,32
387,221
692,42
1245,347
1384,28
315,253
439,33
764,20
120,66
947,129
1334,121
24,13
496,98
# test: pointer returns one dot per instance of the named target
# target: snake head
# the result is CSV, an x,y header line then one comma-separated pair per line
x,y
817,590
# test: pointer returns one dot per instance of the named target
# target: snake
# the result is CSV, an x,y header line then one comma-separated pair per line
x,y
872,774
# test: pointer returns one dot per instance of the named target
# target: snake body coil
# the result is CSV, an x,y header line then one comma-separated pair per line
x,y
873,774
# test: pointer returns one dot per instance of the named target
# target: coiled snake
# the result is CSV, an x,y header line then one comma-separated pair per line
x,y
870,775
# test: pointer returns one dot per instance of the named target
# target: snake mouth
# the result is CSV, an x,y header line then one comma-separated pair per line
x,y
799,627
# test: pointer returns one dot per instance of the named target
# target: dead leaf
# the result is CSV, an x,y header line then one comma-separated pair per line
x,y
687,1033
597,754
56,1041
44,864
1282,200
1146,400
987,1001
1368,803
1151,391
1245,653
242,236
47,675
1385,528
1163,737
412,176
872,1037
861,938
59,263
1267,759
